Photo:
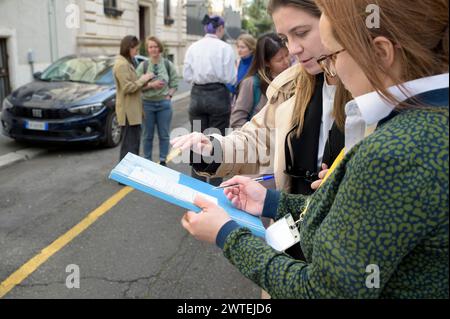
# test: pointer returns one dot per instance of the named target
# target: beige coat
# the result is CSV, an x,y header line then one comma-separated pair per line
x,y
128,94
275,116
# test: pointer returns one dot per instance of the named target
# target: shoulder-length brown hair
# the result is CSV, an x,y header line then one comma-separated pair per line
x,y
127,43
157,41
305,82
267,46
417,29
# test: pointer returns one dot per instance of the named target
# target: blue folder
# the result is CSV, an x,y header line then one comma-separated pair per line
x,y
124,171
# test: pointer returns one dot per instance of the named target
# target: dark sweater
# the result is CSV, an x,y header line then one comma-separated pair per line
x,y
386,204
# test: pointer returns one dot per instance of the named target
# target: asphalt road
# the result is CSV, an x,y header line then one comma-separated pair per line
x,y
138,249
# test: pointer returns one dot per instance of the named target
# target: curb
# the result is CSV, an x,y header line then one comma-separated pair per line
x,y
20,156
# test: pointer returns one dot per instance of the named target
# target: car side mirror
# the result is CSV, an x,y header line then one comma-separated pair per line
x,y
37,75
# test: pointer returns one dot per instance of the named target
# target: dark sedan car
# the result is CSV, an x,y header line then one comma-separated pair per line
x,y
73,100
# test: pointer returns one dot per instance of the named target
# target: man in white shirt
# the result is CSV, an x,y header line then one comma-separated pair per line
x,y
208,66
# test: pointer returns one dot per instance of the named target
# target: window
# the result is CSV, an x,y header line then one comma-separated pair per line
x,y
167,18
110,3
110,8
195,11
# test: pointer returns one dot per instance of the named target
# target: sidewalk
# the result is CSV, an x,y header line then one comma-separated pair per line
x,y
12,152
184,90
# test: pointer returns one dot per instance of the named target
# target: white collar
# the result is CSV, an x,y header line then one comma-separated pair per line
x,y
329,88
211,35
374,108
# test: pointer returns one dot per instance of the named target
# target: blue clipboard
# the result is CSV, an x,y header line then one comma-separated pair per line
x,y
140,173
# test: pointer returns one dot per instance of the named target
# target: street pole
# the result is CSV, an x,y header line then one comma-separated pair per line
x,y
31,61
52,30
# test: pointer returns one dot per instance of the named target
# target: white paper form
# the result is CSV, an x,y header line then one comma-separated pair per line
x,y
176,188
167,186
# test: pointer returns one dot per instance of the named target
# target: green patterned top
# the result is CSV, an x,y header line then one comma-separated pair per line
x,y
386,204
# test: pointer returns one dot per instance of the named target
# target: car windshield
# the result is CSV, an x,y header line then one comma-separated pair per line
x,y
84,70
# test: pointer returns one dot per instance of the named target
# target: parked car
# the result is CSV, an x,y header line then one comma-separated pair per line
x,y
73,100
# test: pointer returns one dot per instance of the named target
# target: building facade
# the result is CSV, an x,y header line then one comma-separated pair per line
x,y
35,33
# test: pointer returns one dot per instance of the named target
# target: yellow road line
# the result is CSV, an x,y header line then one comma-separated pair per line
x,y
30,266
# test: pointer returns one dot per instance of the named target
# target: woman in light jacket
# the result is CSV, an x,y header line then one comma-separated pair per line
x,y
128,95
293,136
288,136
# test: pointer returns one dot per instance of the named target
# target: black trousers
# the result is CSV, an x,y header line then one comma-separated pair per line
x,y
131,140
210,108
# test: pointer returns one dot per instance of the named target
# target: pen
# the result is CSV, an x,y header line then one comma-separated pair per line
x,y
173,153
257,179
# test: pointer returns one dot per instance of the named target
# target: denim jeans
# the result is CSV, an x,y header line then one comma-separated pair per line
x,y
157,113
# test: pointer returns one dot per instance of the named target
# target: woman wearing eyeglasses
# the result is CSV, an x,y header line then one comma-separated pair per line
x,y
157,96
378,226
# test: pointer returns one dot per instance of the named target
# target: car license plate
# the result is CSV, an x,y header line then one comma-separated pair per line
x,y
39,126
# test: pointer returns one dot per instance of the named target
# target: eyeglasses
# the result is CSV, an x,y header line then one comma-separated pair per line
x,y
326,62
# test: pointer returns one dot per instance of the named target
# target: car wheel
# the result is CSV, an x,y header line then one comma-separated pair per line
x,y
113,131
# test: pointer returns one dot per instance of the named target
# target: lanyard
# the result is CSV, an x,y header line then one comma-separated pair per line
x,y
369,130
